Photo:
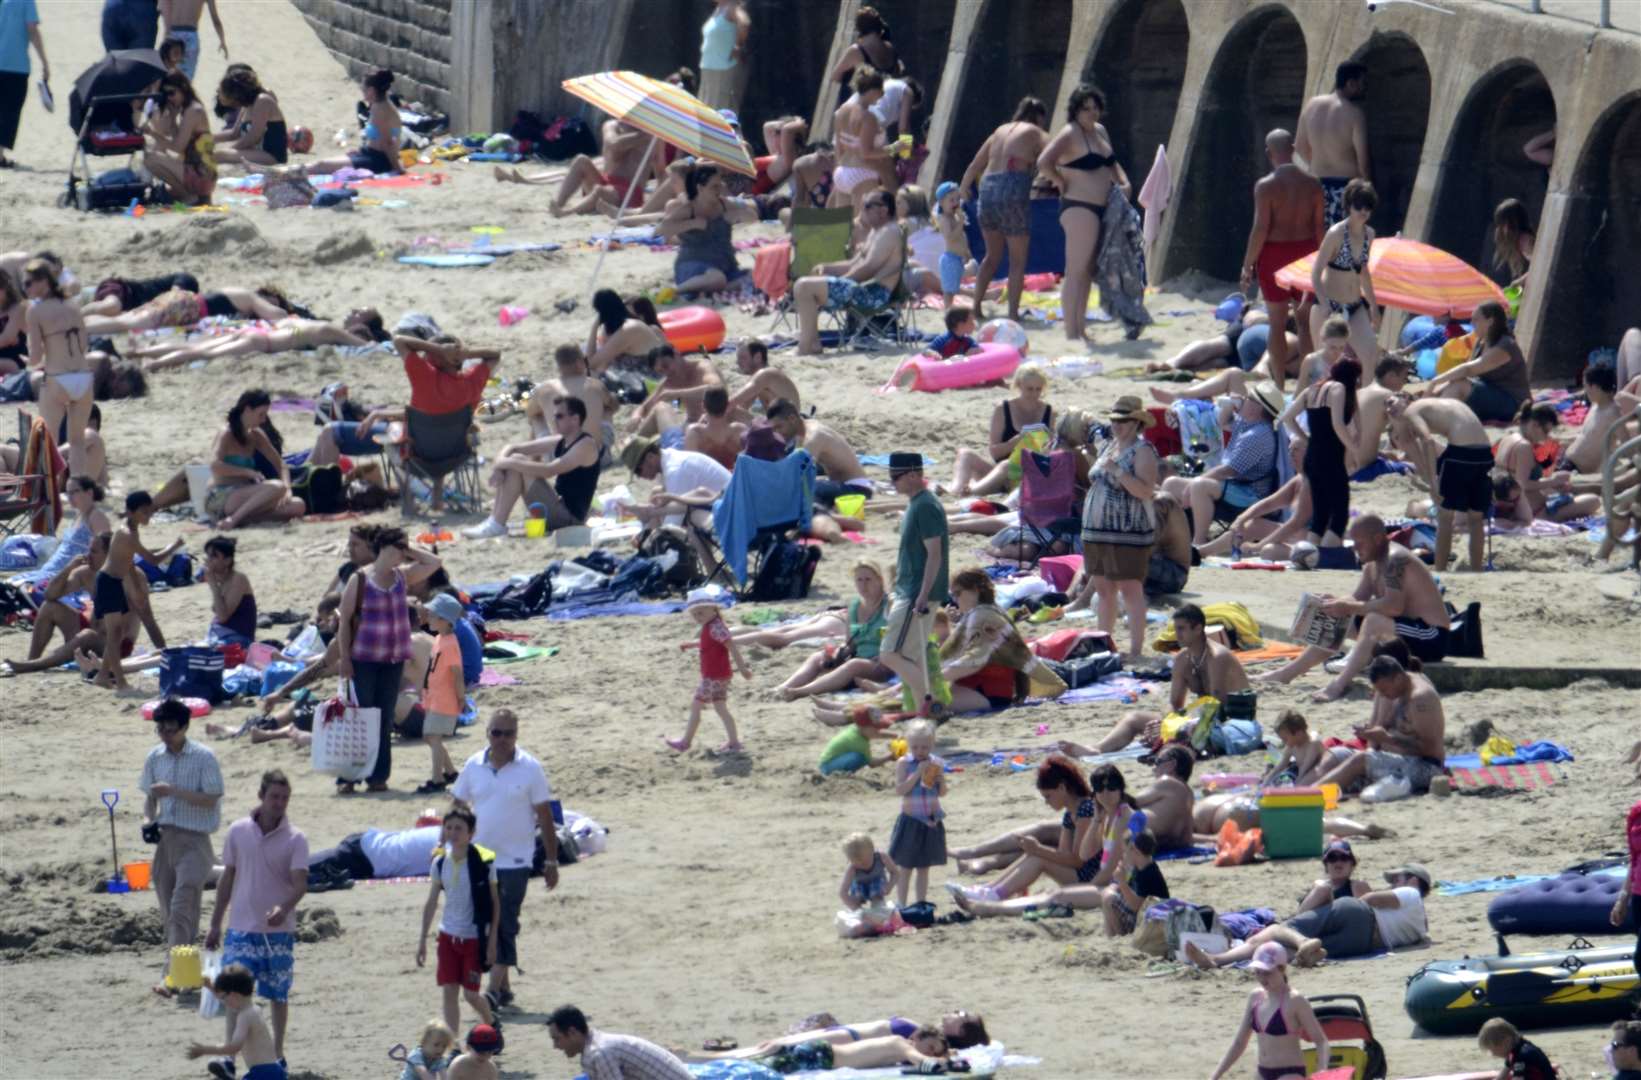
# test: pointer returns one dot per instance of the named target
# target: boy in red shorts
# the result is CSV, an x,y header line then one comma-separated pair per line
x,y
467,932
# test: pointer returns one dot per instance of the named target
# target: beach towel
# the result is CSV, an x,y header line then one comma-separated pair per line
x,y
447,261
1155,194
1537,750
1119,268
1380,467
1502,883
1519,777
1198,423
1272,650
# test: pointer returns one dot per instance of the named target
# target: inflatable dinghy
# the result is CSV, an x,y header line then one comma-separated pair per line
x,y
1577,985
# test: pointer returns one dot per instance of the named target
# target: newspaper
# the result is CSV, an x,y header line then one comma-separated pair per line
x,y
1311,626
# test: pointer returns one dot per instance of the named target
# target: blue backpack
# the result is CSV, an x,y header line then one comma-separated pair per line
x,y
192,671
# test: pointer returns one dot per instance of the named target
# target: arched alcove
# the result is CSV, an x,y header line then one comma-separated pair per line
x,y
1398,110
1011,57
1140,64
1484,163
1594,289
922,34
1256,83
661,38
789,44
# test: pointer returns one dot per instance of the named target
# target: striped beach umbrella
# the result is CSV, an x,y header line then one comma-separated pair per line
x,y
667,112
1412,276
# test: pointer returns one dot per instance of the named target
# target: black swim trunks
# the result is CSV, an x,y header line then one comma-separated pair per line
x,y
1462,479
109,597
1428,643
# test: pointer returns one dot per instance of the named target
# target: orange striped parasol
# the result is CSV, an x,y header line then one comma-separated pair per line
x,y
670,113
1412,276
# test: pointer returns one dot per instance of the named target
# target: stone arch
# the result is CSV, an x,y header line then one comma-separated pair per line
x,y
922,34
1484,163
1140,64
1256,82
1010,56
1594,290
1398,111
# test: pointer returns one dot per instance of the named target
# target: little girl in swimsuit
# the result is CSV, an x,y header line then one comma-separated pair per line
x,y
1277,1016
867,881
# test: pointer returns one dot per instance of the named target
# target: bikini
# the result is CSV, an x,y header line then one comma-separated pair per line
x,y
1089,162
76,384
1343,260
1277,1025
1010,431
848,177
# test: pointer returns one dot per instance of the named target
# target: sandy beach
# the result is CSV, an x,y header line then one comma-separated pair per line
x,y
711,912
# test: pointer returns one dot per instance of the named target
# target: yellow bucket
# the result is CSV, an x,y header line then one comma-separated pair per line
x,y
535,528
1330,796
185,973
850,505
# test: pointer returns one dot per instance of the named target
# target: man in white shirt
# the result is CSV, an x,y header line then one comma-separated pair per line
x,y
690,483
606,1056
1390,918
507,790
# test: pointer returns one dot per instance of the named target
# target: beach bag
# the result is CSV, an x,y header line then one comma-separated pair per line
x,y
1464,639
1193,725
193,671
1087,671
345,736
785,569
1185,919
321,487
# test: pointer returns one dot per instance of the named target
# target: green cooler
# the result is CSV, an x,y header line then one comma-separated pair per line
x,y
1290,820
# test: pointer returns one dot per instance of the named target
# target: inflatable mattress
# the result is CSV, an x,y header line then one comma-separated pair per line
x,y
1568,904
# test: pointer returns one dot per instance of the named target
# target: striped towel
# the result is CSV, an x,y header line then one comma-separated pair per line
x,y
1527,777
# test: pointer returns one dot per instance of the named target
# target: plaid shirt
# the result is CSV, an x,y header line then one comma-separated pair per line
x,y
383,633
922,802
193,769
624,1057
1252,453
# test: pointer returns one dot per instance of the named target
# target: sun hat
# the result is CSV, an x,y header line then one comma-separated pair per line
x,y
485,1039
1270,956
1412,870
1130,407
905,461
446,607
1269,396
1339,847
702,597
633,454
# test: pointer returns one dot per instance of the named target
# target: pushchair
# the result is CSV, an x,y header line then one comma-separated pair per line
x,y
105,125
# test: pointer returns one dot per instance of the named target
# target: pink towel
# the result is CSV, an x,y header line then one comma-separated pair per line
x,y
1155,194
1059,570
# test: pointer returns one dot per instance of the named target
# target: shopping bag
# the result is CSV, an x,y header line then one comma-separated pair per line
x,y
345,736
210,1006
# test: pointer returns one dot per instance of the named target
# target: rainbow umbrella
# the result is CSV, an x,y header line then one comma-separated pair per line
x,y
1412,276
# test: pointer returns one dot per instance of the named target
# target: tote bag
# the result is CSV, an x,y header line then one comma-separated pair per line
x,y
345,736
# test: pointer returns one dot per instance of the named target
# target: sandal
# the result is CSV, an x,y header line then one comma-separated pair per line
x,y
720,1044
346,787
431,787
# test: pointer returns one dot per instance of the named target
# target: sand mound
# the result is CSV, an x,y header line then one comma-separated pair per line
x,y
203,235
40,927
342,246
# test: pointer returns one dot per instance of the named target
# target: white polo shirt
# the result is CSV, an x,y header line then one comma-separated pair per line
x,y
504,800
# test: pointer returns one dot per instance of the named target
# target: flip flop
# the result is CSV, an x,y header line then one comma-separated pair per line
x,y
720,1044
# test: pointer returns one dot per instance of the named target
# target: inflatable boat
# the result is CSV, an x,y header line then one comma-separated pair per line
x,y
1577,985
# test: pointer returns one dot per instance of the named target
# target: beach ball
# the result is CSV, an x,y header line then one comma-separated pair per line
x,y
1305,555
1004,332
301,140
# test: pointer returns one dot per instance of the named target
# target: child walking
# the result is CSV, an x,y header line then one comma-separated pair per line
x,y
445,690
919,838
867,879
951,219
717,647
431,1058
467,933
249,1038
110,608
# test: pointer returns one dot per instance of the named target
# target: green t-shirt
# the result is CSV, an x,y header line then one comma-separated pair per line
x,y
924,520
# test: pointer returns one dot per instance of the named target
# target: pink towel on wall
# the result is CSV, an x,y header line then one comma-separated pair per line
x,y
1155,194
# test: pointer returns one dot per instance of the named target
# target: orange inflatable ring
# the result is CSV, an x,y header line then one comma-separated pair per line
x,y
692,328
196,707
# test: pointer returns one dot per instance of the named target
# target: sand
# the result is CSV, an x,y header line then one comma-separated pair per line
x,y
711,912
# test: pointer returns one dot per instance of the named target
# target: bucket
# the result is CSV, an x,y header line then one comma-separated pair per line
x,y
136,874
535,528
1330,796
850,505
199,485
185,973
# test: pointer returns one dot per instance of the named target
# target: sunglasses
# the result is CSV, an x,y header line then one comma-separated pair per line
x,y
1104,785
504,733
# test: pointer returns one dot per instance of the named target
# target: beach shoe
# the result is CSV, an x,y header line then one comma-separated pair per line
x,y
678,745
222,1068
488,529
431,787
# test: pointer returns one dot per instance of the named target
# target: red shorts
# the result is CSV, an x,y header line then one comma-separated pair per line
x,y
621,184
1274,256
459,962
763,185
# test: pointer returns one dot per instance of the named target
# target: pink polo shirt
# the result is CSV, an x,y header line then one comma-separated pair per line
x,y
1634,828
262,865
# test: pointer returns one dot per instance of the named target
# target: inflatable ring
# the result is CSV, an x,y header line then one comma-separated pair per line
x,y
691,328
993,363
196,707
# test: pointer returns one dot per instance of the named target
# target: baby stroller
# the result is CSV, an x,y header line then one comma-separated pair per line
x,y
99,111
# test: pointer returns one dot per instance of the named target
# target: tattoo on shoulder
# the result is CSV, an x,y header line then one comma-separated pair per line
x,y
1395,569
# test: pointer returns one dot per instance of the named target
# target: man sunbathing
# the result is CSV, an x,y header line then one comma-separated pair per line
x,y
1201,668
1167,802
1584,455
926,1049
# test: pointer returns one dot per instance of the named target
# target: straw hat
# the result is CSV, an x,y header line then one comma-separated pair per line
x,y
1130,407
1269,396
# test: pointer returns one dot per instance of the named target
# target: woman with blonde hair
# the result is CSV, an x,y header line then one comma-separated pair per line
x,y
834,667
1022,422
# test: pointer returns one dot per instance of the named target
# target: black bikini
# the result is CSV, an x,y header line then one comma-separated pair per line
x,y
1010,431
1089,162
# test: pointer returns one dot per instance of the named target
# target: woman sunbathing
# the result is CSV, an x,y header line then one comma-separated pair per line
x,y
181,307
961,1030
289,334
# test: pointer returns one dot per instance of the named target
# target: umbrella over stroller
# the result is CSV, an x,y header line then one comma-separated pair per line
x,y
117,78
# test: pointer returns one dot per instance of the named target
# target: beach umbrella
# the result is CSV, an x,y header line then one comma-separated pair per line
x,y
667,114
121,75
1412,276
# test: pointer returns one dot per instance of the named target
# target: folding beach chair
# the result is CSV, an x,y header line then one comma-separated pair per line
x,y
870,329
437,446
819,235
759,517
28,500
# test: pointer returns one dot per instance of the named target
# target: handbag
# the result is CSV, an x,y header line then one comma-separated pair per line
x,y
192,671
346,737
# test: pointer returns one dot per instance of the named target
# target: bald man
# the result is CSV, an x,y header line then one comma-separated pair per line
x,y
1287,226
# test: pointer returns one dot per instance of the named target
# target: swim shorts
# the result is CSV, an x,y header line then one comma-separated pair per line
x,y
1333,200
1274,256
368,157
844,293
1462,479
1164,576
1418,771
109,598
351,441
270,957
189,36
951,272
1428,643
458,962
672,439
1005,203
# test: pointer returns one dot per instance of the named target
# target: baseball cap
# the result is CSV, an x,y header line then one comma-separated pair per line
x,y
485,1039
1412,870
1269,957
1339,847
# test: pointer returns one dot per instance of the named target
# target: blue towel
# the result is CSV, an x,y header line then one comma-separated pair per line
x,y
1487,885
762,494
1380,467
882,460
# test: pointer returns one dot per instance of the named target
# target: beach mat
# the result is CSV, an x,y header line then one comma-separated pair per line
x,y
447,261
1528,777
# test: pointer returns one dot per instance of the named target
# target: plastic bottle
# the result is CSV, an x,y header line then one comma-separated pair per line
x,y
512,313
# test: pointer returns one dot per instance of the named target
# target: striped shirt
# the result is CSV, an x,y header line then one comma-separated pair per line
x,y
626,1057
383,633
194,768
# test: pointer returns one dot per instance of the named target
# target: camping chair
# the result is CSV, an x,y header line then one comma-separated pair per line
x,y
868,329
436,446
1048,500
766,503
28,500
1344,1020
819,236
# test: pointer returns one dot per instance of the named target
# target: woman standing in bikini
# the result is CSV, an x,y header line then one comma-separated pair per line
x,y
1340,278
1079,162
871,48
857,135
1003,166
1277,1016
56,345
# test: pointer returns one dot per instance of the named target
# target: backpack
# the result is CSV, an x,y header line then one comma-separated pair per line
x,y
192,671
785,569
1464,639
321,487
670,546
